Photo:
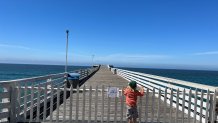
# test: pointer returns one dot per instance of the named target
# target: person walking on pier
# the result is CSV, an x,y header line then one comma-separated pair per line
x,y
131,94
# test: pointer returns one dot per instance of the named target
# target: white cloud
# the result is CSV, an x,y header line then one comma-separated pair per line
x,y
207,53
126,58
136,56
14,46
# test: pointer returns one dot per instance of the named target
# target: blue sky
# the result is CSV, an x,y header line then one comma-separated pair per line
x,y
135,33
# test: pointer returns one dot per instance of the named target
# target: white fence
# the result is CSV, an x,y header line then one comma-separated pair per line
x,y
89,104
197,100
25,98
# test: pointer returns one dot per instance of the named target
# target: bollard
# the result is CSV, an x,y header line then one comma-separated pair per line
x,y
114,71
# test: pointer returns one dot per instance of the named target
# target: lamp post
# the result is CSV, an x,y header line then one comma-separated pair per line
x,y
67,31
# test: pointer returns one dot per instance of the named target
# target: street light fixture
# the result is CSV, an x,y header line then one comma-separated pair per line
x,y
67,31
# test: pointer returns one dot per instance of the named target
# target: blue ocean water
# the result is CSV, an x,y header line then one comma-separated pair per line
x,y
19,71
197,76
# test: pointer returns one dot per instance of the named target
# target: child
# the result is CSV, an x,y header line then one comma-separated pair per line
x,y
131,100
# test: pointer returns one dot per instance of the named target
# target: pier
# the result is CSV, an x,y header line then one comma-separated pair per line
x,y
48,99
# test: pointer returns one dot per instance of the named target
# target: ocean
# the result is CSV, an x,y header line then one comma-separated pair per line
x,y
197,76
19,71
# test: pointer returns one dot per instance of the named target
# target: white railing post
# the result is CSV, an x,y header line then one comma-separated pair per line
x,y
158,108
84,101
165,105
96,102
153,105
65,97
189,104
207,106
31,102
171,104
77,103
177,105
201,106
122,105
25,101
45,102
146,105
213,114
38,103
51,102
18,102
90,103
58,103
71,103
115,116
183,106
140,109
195,106
102,106
13,96
108,110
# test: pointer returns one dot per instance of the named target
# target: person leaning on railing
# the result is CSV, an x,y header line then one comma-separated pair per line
x,y
131,94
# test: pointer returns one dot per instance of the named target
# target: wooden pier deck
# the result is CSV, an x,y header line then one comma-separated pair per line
x,y
105,77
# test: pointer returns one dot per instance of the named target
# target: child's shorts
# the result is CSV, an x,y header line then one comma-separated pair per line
x,y
131,112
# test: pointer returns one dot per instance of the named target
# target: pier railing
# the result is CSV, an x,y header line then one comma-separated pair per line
x,y
196,100
101,104
31,97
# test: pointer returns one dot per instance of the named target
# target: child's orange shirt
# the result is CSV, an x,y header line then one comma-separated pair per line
x,y
131,96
